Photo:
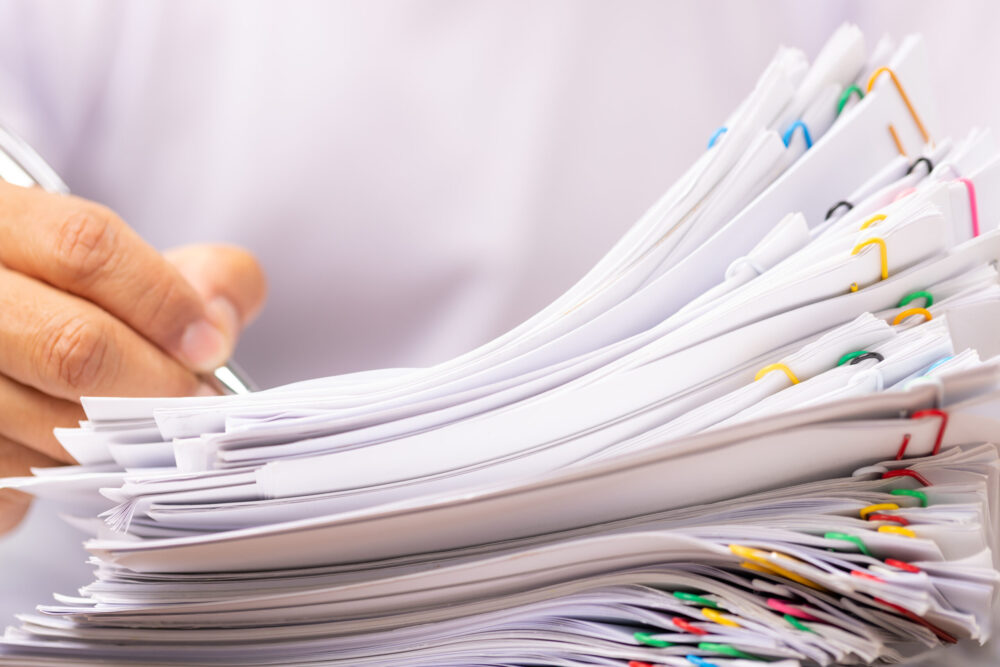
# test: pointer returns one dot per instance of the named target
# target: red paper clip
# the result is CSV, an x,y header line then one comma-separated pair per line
x,y
900,565
687,627
917,619
919,414
888,517
906,473
865,575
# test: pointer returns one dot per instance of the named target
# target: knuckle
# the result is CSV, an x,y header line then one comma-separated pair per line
x,y
75,353
86,243
163,307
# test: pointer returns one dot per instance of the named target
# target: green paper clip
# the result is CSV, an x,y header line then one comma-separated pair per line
x,y
851,355
846,95
853,539
922,294
697,599
919,495
726,649
795,623
650,640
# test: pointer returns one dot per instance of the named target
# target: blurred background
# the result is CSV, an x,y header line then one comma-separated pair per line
x,y
416,177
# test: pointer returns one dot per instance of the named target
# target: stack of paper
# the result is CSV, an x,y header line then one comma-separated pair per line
x,y
757,429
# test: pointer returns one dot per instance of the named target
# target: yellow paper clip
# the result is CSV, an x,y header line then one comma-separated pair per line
x,y
882,256
776,367
872,220
715,616
865,511
913,311
897,530
759,559
906,101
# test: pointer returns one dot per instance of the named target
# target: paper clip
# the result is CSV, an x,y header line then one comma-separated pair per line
x,y
917,619
897,530
859,356
697,661
906,473
889,517
726,649
973,206
687,627
925,160
882,255
776,367
715,135
872,220
920,414
938,363
697,599
866,355
787,137
909,312
637,663
853,539
865,511
866,575
922,294
900,565
785,608
846,95
797,624
650,640
759,562
906,101
716,617
833,209
913,493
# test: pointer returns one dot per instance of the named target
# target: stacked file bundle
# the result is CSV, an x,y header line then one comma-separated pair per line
x,y
759,429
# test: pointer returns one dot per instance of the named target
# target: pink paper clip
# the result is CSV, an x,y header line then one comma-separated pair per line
x,y
785,608
973,206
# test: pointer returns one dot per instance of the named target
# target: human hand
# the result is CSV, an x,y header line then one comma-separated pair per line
x,y
88,308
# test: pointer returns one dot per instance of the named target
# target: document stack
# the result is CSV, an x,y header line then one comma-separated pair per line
x,y
760,429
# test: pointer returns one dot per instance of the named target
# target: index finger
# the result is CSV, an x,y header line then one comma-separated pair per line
x,y
85,249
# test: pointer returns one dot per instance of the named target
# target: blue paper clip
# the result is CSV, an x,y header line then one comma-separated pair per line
x,y
715,135
699,661
787,138
938,363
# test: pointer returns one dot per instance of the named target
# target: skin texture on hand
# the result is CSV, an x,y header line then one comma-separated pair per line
x,y
87,308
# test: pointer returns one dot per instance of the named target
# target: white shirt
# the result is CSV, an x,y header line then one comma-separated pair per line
x,y
416,177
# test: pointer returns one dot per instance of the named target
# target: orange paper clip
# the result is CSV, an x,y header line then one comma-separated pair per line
x,y
913,311
909,105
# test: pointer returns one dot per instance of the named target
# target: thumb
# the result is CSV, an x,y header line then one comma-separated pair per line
x,y
228,278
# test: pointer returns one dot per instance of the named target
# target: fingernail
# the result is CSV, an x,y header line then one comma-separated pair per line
x,y
224,315
203,346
